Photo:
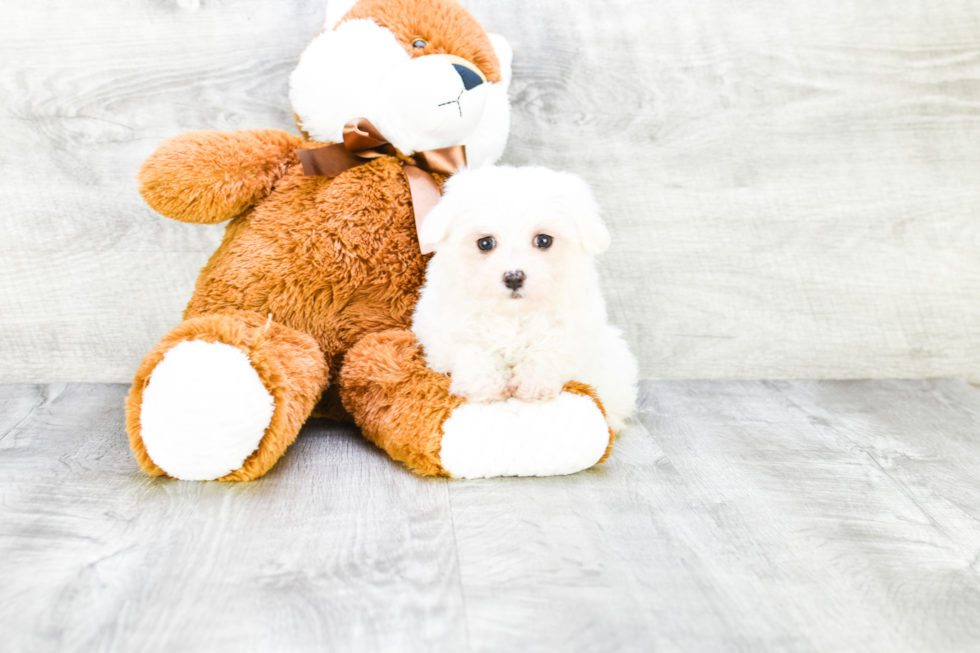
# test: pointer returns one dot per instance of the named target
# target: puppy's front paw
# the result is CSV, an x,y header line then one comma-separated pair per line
x,y
534,388
480,389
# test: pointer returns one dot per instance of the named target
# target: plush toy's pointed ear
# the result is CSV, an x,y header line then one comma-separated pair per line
x,y
335,11
581,204
505,54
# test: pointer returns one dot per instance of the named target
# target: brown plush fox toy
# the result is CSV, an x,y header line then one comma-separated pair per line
x,y
306,304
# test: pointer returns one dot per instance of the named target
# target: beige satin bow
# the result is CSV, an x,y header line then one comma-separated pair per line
x,y
363,142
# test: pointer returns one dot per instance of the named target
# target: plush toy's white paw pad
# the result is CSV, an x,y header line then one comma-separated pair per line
x,y
204,411
512,438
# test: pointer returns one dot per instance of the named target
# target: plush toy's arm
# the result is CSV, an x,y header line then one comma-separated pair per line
x,y
212,176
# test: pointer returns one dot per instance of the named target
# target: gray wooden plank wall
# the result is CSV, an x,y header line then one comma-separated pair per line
x,y
789,516
792,185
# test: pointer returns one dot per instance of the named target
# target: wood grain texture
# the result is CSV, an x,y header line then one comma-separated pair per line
x,y
336,546
734,516
792,187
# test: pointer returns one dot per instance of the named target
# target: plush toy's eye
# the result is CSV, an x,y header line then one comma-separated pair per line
x,y
543,241
419,43
486,244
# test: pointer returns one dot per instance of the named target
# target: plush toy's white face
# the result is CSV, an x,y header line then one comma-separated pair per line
x,y
417,99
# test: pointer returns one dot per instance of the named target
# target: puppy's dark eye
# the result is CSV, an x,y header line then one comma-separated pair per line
x,y
419,43
486,244
543,241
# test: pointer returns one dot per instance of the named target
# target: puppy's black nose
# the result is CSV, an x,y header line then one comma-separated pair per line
x,y
470,78
514,280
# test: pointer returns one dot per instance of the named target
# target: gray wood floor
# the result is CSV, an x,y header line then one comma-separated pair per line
x,y
735,516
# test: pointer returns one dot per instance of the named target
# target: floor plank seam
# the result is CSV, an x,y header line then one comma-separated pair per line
x,y
44,400
894,481
459,567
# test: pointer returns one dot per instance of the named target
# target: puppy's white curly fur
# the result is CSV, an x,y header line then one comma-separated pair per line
x,y
498,341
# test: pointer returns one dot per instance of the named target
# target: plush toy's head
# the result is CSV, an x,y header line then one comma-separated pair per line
x,y
424,72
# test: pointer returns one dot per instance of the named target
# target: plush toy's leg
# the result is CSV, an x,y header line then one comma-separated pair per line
x,y
406,409
222,396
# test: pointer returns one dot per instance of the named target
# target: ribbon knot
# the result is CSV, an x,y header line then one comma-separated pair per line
x,y
363,142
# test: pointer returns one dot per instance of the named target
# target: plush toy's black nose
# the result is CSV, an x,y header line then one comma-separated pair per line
x,y
470,78
514,280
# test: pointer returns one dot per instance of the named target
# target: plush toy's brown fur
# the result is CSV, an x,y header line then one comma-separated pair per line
x,y
335,258
327,259
446,27
288,363
209,177
401,402
311,267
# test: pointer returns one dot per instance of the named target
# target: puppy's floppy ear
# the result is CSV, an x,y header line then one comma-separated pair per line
x,y
435,226
582,207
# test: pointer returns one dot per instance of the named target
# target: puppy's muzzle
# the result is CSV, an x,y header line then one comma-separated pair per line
x,y
515,279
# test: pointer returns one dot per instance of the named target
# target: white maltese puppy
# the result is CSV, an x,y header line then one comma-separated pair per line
x,y
511,306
